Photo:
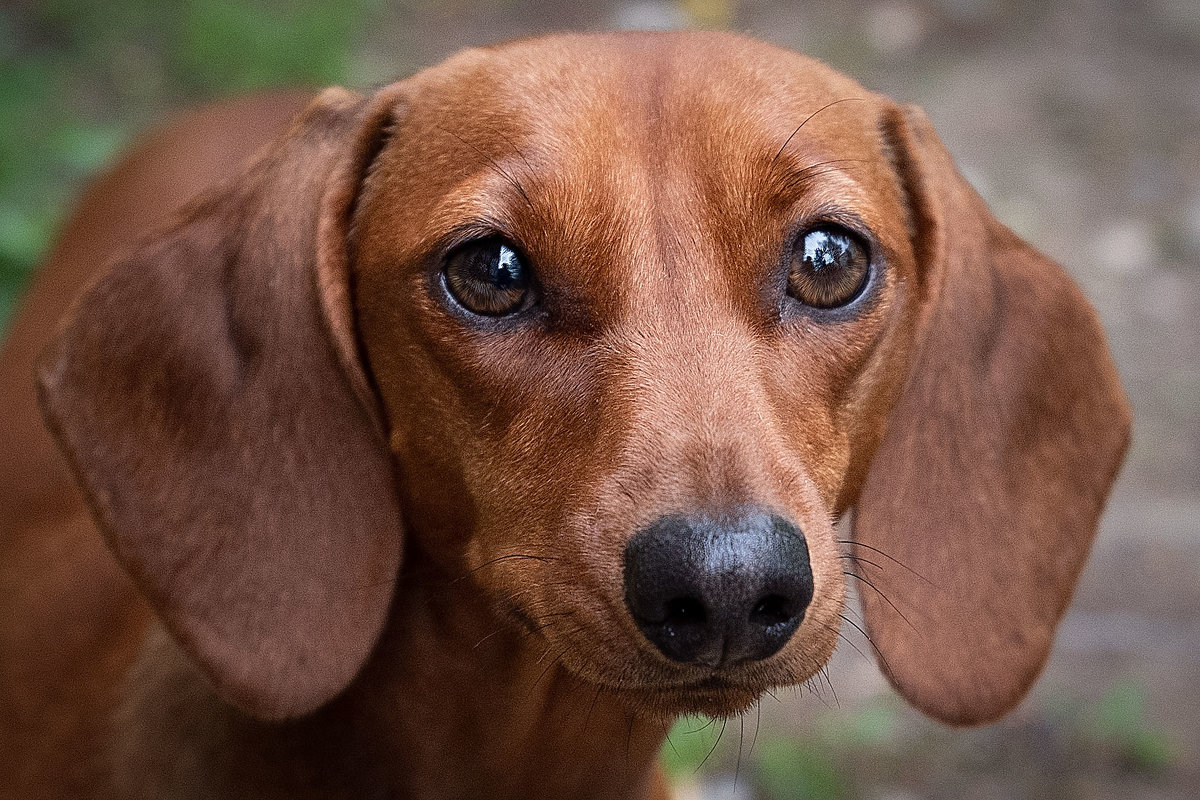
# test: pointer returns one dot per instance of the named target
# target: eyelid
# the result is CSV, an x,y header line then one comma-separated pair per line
x,y
471,230
864,240
841,219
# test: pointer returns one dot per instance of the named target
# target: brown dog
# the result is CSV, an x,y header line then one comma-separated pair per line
x,y
484,424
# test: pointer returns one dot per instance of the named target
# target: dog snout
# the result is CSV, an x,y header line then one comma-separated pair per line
x,y
716,593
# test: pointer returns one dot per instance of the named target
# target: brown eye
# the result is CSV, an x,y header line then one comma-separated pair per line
x,y
488,277
829,268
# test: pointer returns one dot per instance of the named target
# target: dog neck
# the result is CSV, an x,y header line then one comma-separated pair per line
x,y
461,702
456,702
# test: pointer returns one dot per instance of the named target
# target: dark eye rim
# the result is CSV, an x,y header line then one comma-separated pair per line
x,y
472,237
864,299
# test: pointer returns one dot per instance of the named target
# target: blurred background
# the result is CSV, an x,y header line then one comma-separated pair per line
x,y
1079,121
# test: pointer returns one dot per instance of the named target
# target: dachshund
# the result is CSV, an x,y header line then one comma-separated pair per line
x,y
481,425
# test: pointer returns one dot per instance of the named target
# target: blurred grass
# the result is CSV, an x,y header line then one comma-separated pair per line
x,y
80,77
878,749
781,765
1119,723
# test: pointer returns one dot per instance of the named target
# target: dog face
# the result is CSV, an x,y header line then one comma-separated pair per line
x,y
652,362
629,321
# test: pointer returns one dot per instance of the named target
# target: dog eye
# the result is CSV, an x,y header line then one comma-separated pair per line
x,y
829,267
488,277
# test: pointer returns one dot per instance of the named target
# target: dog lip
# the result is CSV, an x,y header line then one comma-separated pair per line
x,y
707,685
711,683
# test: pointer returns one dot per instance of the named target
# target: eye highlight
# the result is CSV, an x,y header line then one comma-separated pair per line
x,y
828,268
488,277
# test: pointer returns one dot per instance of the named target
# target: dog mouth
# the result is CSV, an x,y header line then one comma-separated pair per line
x,y
714,695
719,692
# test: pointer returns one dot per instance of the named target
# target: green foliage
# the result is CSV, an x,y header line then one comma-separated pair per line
x,y
798,769
80,76
1118,722
780,767
227,45
688,744
872,726
844,753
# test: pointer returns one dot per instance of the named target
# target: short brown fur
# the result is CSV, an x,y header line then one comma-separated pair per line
x,y
375,543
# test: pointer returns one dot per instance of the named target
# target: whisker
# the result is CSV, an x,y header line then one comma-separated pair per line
x,y
737,770
539,624
549,666
806,121
871,641
517,184
499,559
857,614
588,718
711,721
671,744
528,589
813,687
894,560
824,671
516,149
886,599
861,560
757,725
713,749
847,640
542,617
484,639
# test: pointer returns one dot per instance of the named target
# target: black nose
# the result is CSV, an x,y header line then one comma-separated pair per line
x,y
715,593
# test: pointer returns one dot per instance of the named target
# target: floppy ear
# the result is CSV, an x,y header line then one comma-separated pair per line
x,y
209,396
998,455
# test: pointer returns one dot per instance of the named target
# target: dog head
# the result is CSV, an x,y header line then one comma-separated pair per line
x,y
616,327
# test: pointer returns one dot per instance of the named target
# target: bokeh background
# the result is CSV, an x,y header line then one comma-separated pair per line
x,y
1079,121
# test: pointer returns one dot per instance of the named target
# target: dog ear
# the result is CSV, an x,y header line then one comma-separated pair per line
x,y
210,399
981,502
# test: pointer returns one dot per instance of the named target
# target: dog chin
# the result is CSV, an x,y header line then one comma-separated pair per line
x,y
713,697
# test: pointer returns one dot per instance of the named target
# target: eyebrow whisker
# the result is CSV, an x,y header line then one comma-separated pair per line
x,y
508,177
805,122
516,149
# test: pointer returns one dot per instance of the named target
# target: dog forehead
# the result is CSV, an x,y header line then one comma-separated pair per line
x,y
653,151
571,116
638,79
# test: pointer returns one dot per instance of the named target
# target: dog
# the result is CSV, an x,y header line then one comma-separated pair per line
x,y
485,423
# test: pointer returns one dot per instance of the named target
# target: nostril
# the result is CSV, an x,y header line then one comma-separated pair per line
x,y
774,609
